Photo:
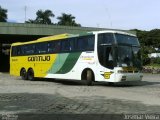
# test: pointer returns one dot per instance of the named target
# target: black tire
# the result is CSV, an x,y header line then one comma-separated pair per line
x,y
30,74
111,84
23,74
89,78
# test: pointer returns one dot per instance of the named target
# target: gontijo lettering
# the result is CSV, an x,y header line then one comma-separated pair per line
x,y
39,58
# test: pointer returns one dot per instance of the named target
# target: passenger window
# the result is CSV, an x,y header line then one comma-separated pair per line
x,y
65,45
81,43
41,48
86,43
54,47
73,44
29,49
90,40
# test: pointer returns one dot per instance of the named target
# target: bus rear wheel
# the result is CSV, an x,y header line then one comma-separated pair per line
x,y
30,74
23,74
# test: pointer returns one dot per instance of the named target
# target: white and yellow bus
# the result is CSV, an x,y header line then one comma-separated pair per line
x,y
109,56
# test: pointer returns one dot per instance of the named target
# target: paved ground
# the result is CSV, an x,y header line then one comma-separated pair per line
x,y
73,97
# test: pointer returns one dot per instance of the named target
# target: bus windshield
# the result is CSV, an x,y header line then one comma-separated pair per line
x,y
121,51
127,51
126,39
128,56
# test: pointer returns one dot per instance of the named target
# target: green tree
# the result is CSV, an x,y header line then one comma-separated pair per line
x,y
3,15
149,38
149,41
43,17
67,20
153,38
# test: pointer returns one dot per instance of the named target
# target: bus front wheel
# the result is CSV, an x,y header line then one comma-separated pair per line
x,y
30,74
89,78
23,74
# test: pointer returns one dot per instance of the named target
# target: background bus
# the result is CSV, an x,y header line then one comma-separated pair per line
x,y
110,56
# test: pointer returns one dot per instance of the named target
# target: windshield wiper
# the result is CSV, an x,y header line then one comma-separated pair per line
x,y
135,46
105,44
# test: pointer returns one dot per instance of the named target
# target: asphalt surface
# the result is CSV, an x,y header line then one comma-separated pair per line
x,y
60,99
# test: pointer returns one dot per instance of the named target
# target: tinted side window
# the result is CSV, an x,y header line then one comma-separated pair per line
x,y
28,49
54,46
85,43
105,38
81,43
91,41
73,44
51,47
14,51
65,45
41,48
17,51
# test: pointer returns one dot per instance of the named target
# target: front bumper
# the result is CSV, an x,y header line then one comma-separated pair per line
x,y
122,77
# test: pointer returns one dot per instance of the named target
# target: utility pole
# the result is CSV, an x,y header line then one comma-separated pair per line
x,y
25,12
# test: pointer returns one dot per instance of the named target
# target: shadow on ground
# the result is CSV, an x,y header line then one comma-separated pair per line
x,y
83,83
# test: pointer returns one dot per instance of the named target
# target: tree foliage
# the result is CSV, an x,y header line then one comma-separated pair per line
x,y
67,20
43,17
150,40
3,15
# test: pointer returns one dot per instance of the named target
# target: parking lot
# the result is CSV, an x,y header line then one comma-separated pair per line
x,y
47,96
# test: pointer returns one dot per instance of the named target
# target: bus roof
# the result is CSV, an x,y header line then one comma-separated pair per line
x,y
66,35
54,37
114,31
